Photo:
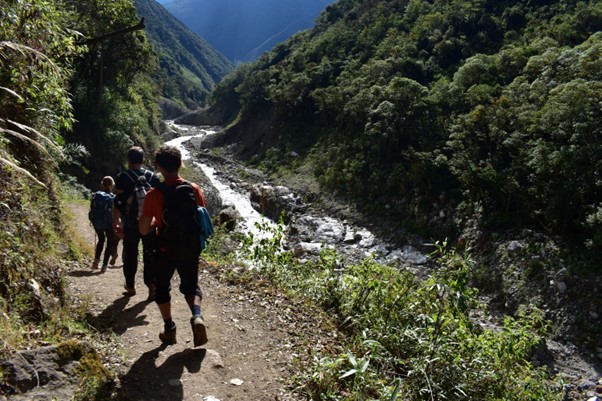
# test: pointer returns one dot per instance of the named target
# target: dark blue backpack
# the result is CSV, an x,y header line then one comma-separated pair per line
x,y
101,210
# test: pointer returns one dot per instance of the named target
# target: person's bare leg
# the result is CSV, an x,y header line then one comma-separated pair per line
x,y
165,310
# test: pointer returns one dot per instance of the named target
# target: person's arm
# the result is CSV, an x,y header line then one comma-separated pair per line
x,y
117,224
116,213
145,225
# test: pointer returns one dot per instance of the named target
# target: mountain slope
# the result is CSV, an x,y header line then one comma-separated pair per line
x,y
243,29
409,104
189,66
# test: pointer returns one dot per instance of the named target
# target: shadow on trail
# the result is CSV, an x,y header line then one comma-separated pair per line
x,y
145,380
90,272
83,273
117,317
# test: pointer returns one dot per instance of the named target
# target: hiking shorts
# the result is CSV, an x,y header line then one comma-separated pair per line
x,y
188,270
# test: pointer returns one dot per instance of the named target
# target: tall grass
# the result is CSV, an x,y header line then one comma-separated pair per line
x,y
409,338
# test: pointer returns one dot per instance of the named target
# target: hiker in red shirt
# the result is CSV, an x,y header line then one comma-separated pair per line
x,y
170,209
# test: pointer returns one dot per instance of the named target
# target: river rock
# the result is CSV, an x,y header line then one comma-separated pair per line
x,y
273,201
229,217
319,229
212,195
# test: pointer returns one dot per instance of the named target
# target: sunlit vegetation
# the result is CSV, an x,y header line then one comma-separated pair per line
x,y
428,105
407,338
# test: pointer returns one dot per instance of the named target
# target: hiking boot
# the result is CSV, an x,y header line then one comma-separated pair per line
x,y
95,264
168,337
129,291
104,268
151,292
199,332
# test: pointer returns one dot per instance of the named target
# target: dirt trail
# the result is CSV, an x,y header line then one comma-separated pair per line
x,y
252,337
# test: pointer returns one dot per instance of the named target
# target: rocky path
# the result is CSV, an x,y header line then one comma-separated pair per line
x,y
253,337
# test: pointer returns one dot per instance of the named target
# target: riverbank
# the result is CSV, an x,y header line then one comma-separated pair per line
x,y
559,293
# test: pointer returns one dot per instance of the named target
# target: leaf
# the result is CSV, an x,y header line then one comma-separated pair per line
x,y
396,391
352,360
26,139
23,49
22,171
12,92
27,128
348,373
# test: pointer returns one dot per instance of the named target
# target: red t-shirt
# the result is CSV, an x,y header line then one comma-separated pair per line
x,y
153,201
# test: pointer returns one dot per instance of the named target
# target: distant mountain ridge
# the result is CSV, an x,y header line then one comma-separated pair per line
x,y
244,29
189,66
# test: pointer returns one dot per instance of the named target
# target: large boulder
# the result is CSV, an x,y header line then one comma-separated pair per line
x,y
274,201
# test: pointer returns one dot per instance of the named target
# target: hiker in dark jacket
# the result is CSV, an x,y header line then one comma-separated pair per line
x,y
100,214
125,220
171,210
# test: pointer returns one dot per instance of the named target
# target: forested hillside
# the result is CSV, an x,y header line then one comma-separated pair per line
x,y
447,114
189,67
71,73
244,29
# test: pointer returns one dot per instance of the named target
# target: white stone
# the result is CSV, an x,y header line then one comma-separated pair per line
x,y
515,245
412,255
236,382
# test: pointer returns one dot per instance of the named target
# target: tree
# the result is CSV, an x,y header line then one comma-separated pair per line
x,y
35,67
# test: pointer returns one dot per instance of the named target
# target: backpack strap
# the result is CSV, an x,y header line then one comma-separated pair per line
x,y
148,175
127,173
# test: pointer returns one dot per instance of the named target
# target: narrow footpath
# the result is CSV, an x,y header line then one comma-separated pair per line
x,y
254,336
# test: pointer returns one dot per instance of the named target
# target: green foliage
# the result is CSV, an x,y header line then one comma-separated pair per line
x,y
114,95
424,105
408,338
36,55
536,162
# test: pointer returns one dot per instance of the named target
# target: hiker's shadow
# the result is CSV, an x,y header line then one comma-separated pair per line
x,y
83,273
145,380
118,318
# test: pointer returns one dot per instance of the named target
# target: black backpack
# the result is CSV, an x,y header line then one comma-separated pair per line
x,y
180,235
135,200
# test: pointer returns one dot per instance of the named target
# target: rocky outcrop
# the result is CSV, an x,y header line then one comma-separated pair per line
x,y
50,373
203,117
274,202
171,110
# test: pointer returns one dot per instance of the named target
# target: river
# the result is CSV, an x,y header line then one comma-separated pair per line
x,y
250,217
315,232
